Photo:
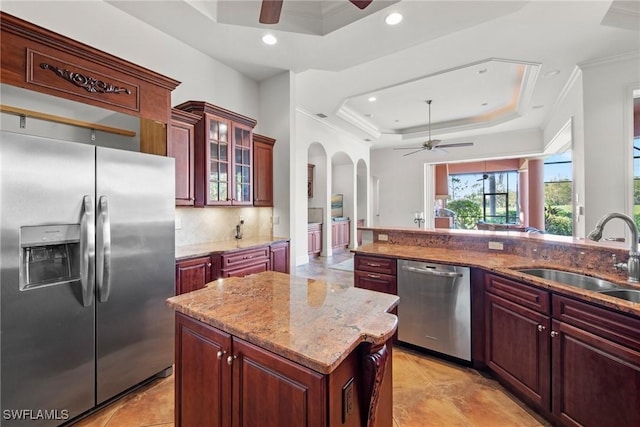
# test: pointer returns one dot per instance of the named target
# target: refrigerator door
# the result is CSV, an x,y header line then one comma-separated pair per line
x,y
46,331
135,259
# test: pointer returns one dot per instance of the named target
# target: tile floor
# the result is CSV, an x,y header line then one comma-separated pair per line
x,y
427,391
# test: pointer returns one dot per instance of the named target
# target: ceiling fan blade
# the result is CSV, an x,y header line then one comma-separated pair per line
x,y
459,144
361,4
409,148
413,152
270,11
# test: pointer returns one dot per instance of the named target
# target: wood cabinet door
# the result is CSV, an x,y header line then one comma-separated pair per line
x,y
241,173
262,171
203,387
595,381
213,169
317,241
278,391
517,349
280,257
192,274
181,147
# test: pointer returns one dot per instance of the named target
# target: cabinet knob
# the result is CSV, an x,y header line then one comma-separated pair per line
x,y
541,328
554,334
220,354
230,359
208,264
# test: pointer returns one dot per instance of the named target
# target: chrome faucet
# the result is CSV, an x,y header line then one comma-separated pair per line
x,y
633,263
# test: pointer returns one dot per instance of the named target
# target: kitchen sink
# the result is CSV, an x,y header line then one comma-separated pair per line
x,y
626,294
572,279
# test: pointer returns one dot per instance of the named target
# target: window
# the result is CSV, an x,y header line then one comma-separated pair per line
x,y
490,197
636,156
558,194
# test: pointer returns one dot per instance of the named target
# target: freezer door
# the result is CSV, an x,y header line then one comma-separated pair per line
x,y
46,332
135,259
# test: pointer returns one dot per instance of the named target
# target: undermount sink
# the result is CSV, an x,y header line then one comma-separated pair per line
x,y
572,279
631,295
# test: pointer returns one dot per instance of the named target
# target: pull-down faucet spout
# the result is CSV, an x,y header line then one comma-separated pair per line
x,y
633,264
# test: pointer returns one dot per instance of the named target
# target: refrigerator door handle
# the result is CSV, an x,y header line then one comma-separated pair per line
x,y
103,275
87,251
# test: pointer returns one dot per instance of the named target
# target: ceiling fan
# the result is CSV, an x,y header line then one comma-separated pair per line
x,y
270,10
430,144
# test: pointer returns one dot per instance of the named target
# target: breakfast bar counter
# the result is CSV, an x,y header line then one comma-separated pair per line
x,y
323,345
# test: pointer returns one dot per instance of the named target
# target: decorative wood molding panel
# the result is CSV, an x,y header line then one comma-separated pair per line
x,y
37,59
55,74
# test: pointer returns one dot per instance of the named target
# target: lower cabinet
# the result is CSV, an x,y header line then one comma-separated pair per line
x,y
375,274
222,380
225,374
578,364
280,257
314,239
595,364
192,274
340,234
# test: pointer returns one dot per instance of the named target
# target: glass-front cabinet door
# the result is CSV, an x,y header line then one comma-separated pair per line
x,y
219,155
242,172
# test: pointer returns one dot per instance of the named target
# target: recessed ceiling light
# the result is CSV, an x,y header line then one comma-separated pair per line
x,y
484,104
551,73
482,71
537,107
393,18
269,39
368,115
372,99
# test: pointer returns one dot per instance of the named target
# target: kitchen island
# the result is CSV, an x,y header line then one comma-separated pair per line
x,y
272,349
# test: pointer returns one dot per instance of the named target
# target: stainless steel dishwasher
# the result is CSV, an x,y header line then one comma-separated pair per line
x,y
434,311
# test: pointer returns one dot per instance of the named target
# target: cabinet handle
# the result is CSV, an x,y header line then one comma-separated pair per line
x,y
554,334
373,264
541,328
220,354
373,276
230,359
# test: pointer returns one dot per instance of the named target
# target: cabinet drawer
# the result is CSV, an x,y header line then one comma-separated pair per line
x,y
239,258
375,264
614,326
263,265
528,296
376,282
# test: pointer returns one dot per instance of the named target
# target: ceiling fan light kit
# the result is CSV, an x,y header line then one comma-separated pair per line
x,y
430,144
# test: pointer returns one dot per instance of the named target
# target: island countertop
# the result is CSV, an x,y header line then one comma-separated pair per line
x,y
314,323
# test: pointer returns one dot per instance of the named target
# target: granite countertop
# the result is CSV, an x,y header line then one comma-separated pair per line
x,y
204,249
311,322
507,265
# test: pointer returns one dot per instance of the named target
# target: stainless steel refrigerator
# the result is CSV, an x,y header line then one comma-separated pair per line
x,y
87,262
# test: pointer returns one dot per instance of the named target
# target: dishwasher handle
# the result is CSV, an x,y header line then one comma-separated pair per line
x,y
431,272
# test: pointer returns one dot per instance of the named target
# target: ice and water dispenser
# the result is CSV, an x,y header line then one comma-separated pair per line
x,y
49,255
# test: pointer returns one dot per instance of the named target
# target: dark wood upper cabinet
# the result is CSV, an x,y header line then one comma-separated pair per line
x,y
223,163
262,170
181,147
43,61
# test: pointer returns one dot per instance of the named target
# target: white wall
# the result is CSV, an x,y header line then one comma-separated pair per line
x,y
275,121
309,130
608,138
403,181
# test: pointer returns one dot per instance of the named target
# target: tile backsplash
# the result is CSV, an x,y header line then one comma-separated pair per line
x,y
201,225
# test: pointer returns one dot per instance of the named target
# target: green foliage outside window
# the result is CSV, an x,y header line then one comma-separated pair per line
x,y
468,213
